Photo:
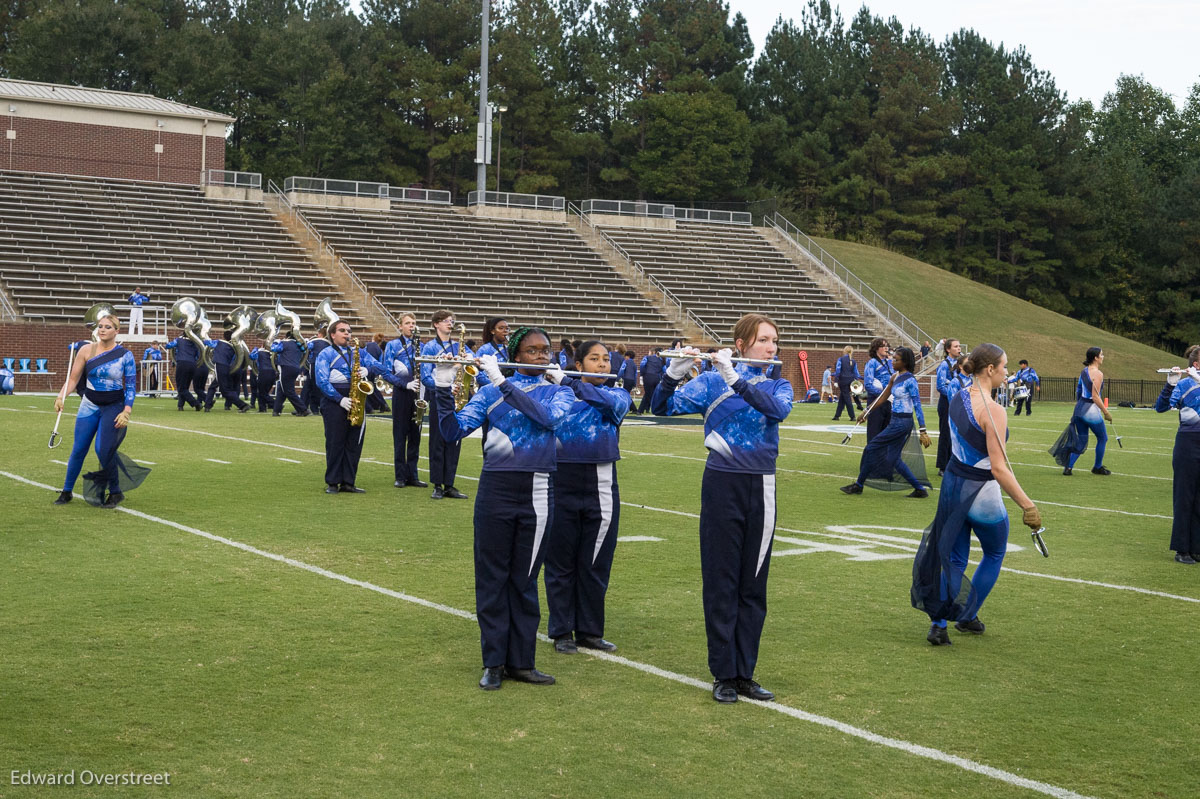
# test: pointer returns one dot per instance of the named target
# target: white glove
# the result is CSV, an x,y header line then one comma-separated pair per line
x,y
414,386
721,360
555,375
345,403
363,373
443,374
1173,376
1194,373
491,367
679,368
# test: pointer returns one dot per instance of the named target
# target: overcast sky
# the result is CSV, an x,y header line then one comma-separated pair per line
x,y
1084,44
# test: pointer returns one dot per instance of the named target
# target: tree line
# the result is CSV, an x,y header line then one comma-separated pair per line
x,y
961,153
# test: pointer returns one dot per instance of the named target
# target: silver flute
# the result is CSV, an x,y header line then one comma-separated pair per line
x,y
507,365
710,356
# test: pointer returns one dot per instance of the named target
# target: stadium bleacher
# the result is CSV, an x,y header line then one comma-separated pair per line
x,y
69,242
720,271
420,259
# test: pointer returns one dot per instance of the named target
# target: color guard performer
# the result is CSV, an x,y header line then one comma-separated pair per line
x,y
109,375
947,387
1182,392
400,355
970,501
1089,414
443,453
875,376
587,504
515,501
343,443
742,410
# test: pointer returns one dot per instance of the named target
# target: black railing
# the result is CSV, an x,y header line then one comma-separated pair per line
x,y
1140,392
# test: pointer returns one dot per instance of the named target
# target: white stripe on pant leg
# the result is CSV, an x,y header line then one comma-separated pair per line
x,y
604,484
768,528
541,508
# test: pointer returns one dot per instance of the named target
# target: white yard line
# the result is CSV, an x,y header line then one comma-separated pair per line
x,y
287,460
214,460
907,747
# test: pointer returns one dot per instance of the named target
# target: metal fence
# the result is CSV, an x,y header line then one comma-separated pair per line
x,y
227,177
425,196
1139,392
345,188
720,217
628,208
507,199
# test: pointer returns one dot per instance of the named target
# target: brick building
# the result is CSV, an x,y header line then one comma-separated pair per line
x,y
77,131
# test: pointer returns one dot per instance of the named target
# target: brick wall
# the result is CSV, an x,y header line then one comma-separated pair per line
x,y
73,148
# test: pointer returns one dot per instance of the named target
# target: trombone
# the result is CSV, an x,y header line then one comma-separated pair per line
x,y
507,365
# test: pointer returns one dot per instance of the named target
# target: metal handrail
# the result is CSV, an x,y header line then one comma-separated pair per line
x,y
682,312
628,208
508,199
868,296
328,250
718,217
228,177
411,195
7,308
351,188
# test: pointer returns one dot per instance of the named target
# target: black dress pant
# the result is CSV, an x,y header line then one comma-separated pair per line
x,y
583,539
228,386
343,444
262,389
185,375
944,449
406,436
443,454
648,387
1028,405
287,389
311,396
844,400
878,418
1185,463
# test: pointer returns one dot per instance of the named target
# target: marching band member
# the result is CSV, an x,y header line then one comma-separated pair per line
x,y
343,443
845,372
375,401
1026,374
515,501
226,383
742,410
261,385
970,501
875,376
310,394
566,354
616,359
443,453
187,356
109,374
400,354
288,355
587,504
153,353
1089,414
1182,392
651,367
495,342
629,371
947,387
883,455
136,300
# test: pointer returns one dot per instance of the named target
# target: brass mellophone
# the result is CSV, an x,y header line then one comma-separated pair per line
x,y
711,356
507,365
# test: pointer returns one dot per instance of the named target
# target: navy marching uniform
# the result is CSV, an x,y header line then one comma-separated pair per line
x,y
153,354
343,443
875,377
651,367
375,402
223,357
737,505
186,356
1185,465
400,354
629,374
1030,378
443,453
587,511
287,357
310,394
845,372
266,378
513,508
947,386
616,363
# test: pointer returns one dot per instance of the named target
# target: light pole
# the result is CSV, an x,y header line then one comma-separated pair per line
x,y
499,143
481,162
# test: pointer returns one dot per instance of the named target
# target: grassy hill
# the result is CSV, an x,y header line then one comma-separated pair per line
x,y
944,304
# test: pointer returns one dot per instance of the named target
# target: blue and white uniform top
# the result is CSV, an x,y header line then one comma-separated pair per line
x,y
138,299
315,347
1083,388
1084,406
846,370
489,349
400,356
332,370
1185,396
111,377
152,354
741,424
947,385
223,354
906,397
1027,376
262,359
876,375
434,348
186,348
592,431
968,442
288,351
522,414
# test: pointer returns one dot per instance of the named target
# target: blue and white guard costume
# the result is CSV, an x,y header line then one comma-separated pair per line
x,y
1185,464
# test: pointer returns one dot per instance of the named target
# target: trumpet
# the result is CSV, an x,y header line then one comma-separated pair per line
x,y
509,365
709,356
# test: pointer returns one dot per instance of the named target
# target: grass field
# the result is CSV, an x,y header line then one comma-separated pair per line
x,y
945,304
237,628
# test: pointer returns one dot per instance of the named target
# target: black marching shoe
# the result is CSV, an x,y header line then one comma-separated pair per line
x,y
198,408
752,690
113,500
938,636
1100,470
454,493
725,691
415,483
492,676
974,626
1067,471
437,493
243,409
1180,557
207,408
331,489
919,493
350,488
595,642
398,484
66,496
274,413
565,645
853,488
531,676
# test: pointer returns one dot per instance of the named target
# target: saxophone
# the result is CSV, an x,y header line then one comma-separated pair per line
x,y
464,383
359,389
421,405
